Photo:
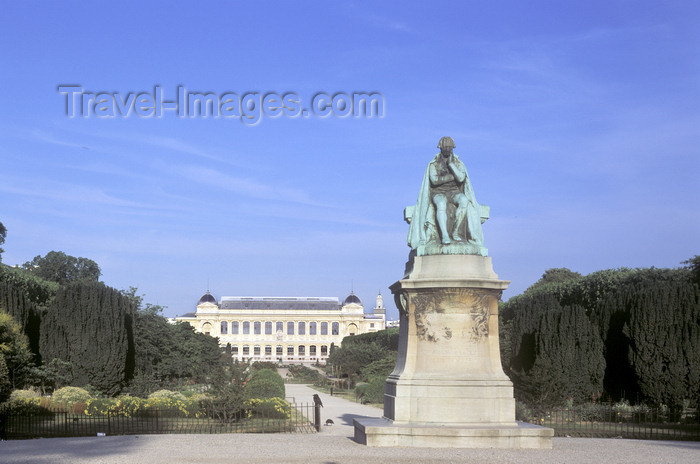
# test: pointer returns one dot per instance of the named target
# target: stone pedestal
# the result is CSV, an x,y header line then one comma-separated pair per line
x,y
448,388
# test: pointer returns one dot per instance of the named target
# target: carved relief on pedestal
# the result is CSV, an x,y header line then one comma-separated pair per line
x,y
474,303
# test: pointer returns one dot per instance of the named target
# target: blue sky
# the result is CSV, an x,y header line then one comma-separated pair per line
x,y
579,124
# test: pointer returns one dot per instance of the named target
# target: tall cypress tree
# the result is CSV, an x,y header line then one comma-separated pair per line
x,y
90,325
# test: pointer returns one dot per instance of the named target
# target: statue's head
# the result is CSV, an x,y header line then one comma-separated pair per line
x,y
446,144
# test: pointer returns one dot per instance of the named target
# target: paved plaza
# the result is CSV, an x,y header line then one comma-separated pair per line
x,y
334,445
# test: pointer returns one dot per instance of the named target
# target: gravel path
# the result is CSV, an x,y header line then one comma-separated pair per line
x,y
332,446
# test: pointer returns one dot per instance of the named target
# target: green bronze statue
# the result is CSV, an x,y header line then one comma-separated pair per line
x,y
446,218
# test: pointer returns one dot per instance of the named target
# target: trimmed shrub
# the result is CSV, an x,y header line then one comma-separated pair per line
x,y
101,406
70,395
263,384
24,394
26,407
167,394
273,408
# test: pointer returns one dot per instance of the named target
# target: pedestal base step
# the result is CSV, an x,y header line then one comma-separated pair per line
x,y
383,432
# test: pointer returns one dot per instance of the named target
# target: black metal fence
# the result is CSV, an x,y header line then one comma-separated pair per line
x,y
297,418
620,421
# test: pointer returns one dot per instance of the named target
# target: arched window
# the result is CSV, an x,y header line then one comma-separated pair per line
x,y
336,329
312,328
256,350
268,328
234,328
352,329
224,327
279,327
302,350
312,350
279,351
324,328
302,328
324,350
290,328
234,350
206,328
290,350
246,328
268,350
246,350
257,327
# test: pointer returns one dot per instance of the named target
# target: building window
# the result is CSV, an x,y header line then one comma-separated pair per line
x,y
279,350
290,350
336,329
256,327
256,350
246,328
312,350
268,349
290,328
324,328
246,350
312,328
324,350
302,350
234,350
302,328
268,328
279,327
234,328
371,325
224,328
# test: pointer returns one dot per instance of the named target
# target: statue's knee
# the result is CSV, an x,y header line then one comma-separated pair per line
x,y
461,201
440,202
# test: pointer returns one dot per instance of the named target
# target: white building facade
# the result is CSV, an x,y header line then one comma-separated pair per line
x,y
291,330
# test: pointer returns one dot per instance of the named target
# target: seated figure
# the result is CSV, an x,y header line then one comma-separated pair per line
x,y
447,201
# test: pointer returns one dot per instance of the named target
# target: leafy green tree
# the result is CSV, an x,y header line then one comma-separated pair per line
x,y
693,264
14,350
5,384
351,359
33,289
52,375
387,338
62,268
165,352
380,368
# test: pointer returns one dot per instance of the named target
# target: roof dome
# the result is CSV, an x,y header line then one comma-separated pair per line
x,y
352,298
207,298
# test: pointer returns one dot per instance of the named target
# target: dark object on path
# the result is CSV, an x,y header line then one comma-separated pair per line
x,y
329,422
317,400
331,391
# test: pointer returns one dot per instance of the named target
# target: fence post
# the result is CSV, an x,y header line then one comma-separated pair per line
x,y
317,416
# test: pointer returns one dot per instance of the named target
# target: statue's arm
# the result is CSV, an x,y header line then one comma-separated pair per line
x,y
458,170
436,179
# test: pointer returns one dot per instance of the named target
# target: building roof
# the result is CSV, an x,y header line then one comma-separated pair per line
x,y
352,298
284,303
207,298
